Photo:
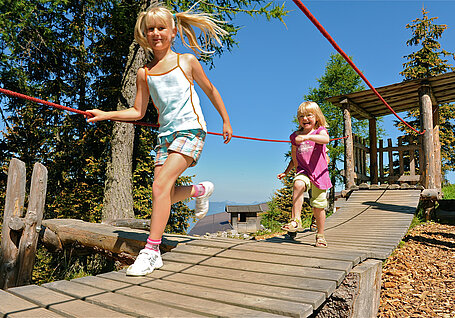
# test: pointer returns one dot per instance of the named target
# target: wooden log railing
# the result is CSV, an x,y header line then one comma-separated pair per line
x,y
19,233
396,164
360,159
407,167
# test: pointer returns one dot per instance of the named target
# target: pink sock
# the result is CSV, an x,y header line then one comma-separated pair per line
x,y
198,190
153,245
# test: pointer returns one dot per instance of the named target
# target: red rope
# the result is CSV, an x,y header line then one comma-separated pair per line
x,y
140,123
335,45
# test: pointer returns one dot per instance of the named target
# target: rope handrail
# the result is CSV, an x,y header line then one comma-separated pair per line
x,y
140,123
344,55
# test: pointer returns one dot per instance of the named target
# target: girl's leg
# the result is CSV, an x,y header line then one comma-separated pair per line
x,y
297,198
319,215
165,193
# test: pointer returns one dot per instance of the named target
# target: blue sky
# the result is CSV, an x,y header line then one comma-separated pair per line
x,y
263,81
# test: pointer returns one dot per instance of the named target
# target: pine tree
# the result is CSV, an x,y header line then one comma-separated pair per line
x,y
430,60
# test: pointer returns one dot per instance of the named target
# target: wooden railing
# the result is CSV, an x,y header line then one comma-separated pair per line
x,y
407,167
396,164
360,159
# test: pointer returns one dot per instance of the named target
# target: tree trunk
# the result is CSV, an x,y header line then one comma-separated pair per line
x,y
118,191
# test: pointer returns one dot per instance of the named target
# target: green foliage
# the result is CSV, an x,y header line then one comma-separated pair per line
x,y
66,265
449,191
429,61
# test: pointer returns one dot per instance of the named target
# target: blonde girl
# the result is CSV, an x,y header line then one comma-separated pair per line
x,y
168,79
309,157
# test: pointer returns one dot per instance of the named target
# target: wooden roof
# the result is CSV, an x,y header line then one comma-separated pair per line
x,y
258,208
401,97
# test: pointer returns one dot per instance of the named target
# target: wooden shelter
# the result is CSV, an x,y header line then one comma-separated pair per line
x,y
427,94
246,218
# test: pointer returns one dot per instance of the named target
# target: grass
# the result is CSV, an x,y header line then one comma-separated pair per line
x,y
449,191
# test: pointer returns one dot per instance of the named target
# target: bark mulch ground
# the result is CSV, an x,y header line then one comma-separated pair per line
x,y
418,279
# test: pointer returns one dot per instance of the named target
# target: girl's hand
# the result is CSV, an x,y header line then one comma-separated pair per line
x,y
281,175
97,115
300,138
227,132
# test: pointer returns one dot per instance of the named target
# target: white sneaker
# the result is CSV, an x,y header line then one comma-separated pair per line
x,y
145,263
202,202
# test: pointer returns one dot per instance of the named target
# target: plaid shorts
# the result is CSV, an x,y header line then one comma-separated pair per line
x,y
187,142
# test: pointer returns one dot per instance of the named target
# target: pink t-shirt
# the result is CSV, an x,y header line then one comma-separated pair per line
x,y
312,161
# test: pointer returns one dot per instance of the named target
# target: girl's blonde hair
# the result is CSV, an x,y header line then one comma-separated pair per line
x,y
209,27
313,108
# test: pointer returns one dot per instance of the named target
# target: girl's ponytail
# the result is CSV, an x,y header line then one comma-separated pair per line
x,y
209,27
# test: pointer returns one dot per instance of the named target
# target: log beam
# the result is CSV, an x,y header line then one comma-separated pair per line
x,y
348,147
426,115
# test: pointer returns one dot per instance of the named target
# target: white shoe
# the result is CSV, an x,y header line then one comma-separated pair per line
x,y
145,263
202,202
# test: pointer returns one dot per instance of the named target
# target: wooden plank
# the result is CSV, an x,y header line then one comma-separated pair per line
x,y
315,299
255,302
10,304
39,295
83,309
133,280
335,275
39,312
319,285
197,305
138,307
267,257
101,283
73,289
297,249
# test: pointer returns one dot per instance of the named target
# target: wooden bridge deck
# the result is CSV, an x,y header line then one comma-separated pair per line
x,y
234,278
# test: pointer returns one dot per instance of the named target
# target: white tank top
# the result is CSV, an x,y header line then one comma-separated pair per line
x,y
176,101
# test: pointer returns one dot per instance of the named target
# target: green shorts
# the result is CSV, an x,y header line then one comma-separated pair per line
x,y
318,197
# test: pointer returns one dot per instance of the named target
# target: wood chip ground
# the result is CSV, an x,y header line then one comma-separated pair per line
x,y
418,279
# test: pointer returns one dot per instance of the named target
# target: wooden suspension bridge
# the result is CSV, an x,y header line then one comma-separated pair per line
x,y
229,277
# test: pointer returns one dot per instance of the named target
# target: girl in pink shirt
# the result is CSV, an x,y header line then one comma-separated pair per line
x,y
309,157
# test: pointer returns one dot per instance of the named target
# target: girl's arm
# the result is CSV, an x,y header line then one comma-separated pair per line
x,y
321,138
212,93
292,163
130,114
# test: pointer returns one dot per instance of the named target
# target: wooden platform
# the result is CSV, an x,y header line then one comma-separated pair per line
x,y
233,278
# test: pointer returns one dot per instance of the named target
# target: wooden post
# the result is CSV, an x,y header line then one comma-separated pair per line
x,y
401,155
426,116
14,205
348,147
20,235
372,131
390,153
437,148
33,218
381,160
